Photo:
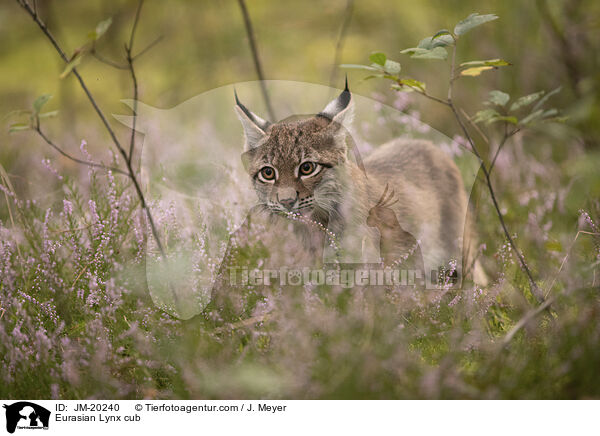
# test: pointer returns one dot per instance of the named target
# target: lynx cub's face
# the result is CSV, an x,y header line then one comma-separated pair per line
x,y
294,163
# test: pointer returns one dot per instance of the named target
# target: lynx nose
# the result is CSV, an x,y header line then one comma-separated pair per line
x,y
287,197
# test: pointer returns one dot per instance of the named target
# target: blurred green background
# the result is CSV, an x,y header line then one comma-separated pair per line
x,y
204,45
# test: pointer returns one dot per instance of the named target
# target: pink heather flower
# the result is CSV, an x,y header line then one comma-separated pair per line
x,y
48,166
84,150
67,207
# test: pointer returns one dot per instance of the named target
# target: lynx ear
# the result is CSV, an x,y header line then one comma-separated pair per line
x,y
341,110
254,126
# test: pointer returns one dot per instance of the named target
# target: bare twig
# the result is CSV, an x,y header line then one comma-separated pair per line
x,y
148,47
38,130
430,97
449,102
340,41
475,126
534,287
502,142
33,14
128,49
257,63
528,317
102,59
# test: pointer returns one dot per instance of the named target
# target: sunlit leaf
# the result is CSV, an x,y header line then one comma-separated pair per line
x,y
413,83
432,42
18,127
472,21
40,102
490,63
48,114
102,27
475,71
360,67
378,58
423,53
499,98
526,100
70,67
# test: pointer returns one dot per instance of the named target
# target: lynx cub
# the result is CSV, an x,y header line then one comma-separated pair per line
x,y
301,167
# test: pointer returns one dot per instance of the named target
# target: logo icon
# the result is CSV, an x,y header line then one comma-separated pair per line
x,y
26,415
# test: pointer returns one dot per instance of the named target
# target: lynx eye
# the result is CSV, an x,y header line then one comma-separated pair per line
x,y
266,174
307,168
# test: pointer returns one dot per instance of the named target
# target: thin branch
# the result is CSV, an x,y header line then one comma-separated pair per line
x,y
534,287
257,63
475,126
128,49
340,41
504,139
102,59
148,47
528,317
74,159
102,117
135,23
431,97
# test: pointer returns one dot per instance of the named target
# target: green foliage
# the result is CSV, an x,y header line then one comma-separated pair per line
x,y
34,115
472,21
100,30
514,115
498,98
424,53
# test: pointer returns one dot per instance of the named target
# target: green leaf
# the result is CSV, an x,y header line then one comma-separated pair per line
x,y
532,117
70,66
432,42
360,67
423,53
526,100
441,33
391,67
546,97
378,58
472,21
18,127
499,98
486,115
412,83
40,102
48,114
102,27
490,63
475,71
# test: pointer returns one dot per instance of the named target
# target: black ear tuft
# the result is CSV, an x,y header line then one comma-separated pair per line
x,y
338,107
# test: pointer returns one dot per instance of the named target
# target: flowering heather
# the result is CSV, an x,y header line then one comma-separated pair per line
x,y
79,318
